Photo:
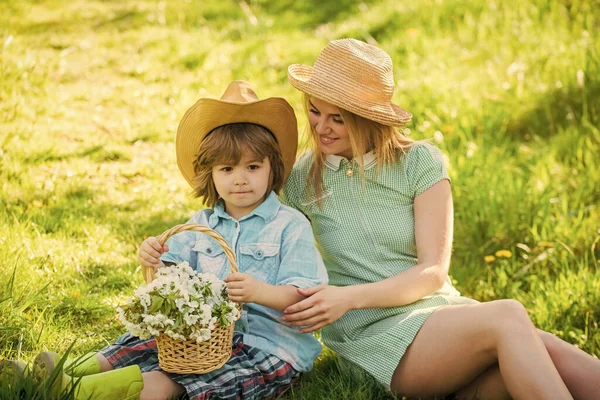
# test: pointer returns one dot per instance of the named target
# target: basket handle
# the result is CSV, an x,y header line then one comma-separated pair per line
x,y
162,238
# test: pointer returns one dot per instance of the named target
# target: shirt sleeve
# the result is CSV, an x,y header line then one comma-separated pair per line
x,y
301,264
425,167
181,244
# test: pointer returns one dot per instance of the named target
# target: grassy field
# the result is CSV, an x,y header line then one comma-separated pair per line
x,y
91,93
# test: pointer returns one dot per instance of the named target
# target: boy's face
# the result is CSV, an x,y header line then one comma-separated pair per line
x,y
242,186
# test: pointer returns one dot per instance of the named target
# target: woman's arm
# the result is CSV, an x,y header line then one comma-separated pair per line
x,y
433,235
433,212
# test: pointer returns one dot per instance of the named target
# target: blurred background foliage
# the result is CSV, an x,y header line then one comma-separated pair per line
x,y
91,93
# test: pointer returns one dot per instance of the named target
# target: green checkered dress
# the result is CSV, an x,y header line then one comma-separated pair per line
x,y
366,234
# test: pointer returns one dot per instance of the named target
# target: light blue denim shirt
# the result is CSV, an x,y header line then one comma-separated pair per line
x,y
274,244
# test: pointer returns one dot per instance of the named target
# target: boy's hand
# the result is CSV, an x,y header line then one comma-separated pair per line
x,y
150,252
242,287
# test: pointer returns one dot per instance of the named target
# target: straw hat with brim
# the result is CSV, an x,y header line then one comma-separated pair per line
x,y
355,76
238,104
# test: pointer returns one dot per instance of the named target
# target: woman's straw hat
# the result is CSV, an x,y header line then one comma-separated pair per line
x,y
238,104
355,76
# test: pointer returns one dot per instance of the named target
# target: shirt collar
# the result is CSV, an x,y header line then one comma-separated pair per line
x,y
266,210
333,161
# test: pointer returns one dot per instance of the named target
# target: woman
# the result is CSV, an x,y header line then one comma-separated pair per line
x,y
381,210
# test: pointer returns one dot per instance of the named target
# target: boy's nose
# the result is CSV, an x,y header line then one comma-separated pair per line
x,y
240,180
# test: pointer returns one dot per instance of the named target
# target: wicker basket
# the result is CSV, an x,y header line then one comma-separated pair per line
x,y
187,356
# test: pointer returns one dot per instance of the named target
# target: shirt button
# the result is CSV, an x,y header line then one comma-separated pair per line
x,y
209,250
349,172
259,253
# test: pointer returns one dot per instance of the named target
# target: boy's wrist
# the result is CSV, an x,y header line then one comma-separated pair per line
x,y
260,292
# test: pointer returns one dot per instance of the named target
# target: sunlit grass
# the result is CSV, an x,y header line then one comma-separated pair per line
x,y
91,94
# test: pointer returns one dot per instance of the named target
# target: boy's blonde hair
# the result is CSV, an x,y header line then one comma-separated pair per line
x,y
227,144
365,135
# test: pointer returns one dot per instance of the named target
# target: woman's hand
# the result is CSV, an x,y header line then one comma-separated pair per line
x,y
150,252
324,305
242,287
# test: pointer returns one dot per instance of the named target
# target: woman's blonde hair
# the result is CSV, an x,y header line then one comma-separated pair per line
x,y
227,144
365,135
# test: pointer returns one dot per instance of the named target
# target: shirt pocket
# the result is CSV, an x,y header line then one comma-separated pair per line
x,y
260,260
211,258
323,213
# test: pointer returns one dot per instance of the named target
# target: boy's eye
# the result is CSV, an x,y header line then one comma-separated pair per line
x,y
226,169
253,166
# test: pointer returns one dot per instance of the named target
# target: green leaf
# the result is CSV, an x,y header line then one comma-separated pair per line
x,y
157,303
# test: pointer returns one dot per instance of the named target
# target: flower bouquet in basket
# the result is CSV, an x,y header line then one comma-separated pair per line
x,y
188,313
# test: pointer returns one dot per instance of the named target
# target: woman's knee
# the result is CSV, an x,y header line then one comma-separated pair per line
x,y
508,316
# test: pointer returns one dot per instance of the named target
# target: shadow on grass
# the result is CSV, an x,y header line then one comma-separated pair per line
x,y
121,20
557,110
332,378
311,13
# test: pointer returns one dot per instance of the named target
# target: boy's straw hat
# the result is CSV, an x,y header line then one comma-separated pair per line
x,y
355,76
238,104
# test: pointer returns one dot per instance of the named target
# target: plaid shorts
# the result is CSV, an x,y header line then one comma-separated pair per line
x,y
250,373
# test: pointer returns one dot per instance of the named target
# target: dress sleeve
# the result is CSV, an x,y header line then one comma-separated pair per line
x,y
290,193
301,264
425,167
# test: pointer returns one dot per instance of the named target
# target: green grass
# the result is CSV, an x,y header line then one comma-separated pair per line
x,y
91,94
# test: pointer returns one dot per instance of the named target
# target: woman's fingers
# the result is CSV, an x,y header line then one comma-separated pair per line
x,y
307,322
302,315
300,306
311,290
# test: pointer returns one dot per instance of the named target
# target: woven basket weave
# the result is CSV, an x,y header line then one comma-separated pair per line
x,y
187,356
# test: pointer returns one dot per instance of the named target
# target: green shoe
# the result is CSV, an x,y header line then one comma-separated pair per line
x,y
87,364
12,372
124,383
47,373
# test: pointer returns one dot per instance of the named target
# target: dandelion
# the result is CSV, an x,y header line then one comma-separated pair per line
x,y
546,244
489,259
503,254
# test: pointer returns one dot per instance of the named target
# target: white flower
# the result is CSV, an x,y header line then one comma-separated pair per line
x,y
180,304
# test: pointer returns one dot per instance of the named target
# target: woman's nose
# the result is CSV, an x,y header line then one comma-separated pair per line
x,y
322,128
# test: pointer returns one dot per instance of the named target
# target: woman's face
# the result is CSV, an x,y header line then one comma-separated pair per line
x,y
327,123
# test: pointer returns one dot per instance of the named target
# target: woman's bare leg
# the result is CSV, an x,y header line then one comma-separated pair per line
x,y
458,344
489,386
579,370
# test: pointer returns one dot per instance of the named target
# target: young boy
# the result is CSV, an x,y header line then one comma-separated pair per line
x,y
236,153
